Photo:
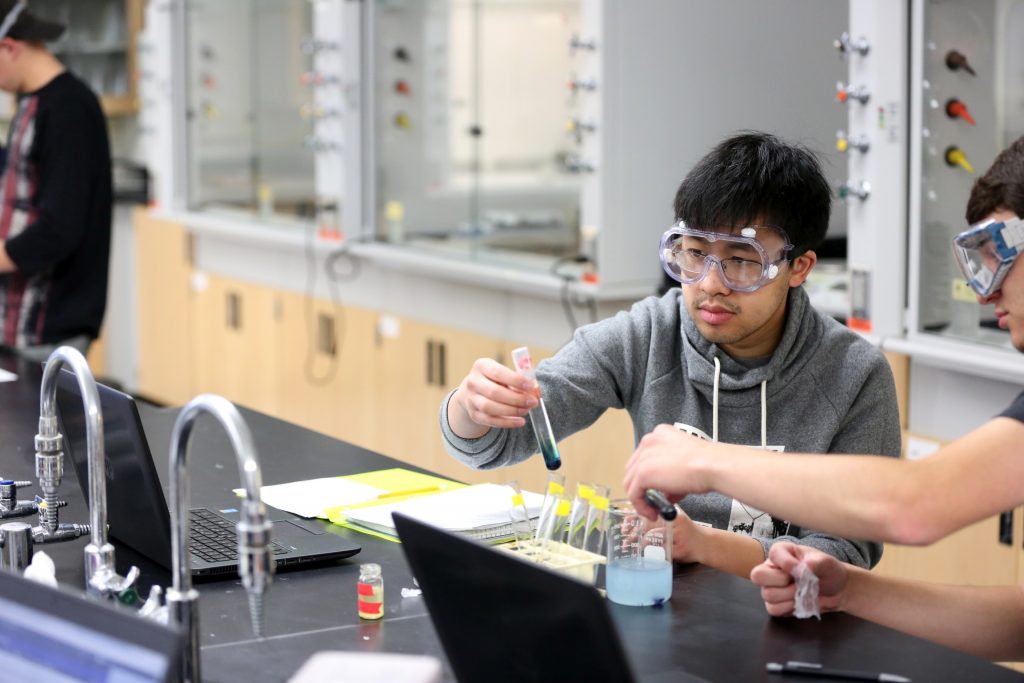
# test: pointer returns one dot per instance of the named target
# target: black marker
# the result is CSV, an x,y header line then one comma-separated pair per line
x,y
816,670
657,499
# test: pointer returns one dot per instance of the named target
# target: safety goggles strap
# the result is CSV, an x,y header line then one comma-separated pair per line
x,y
1013,233
11,17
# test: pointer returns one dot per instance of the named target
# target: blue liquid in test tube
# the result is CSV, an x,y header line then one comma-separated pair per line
x,y
538,415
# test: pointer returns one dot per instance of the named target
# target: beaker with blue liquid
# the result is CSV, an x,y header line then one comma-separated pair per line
x,y
639,570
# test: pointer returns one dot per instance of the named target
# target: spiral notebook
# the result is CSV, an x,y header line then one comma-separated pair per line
x,y
480,511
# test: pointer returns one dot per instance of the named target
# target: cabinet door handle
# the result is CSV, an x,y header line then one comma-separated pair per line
x,y
234,310
442,380
1006,528
430,362
327,340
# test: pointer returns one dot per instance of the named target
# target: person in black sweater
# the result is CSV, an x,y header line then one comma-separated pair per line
x,y
55,196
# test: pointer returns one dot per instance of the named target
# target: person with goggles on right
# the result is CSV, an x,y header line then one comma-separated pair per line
x,y
910,502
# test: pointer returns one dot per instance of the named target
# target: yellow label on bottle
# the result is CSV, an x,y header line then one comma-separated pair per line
x,y
600,502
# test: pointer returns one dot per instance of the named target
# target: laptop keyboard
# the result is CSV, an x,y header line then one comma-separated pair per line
x,y
214,538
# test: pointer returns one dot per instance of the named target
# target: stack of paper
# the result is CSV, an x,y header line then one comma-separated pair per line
x,y
480,511
315,497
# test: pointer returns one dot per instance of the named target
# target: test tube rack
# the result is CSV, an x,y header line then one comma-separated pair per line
x,y
559,557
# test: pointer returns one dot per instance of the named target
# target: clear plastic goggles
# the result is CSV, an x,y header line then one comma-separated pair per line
x,y
742,259
986,252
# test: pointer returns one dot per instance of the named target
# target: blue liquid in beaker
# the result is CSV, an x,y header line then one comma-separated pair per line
x,y
639,581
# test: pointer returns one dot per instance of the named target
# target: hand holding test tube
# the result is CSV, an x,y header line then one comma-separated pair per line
x,y
538,415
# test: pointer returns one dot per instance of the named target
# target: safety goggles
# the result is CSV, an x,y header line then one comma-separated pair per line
x,y
743,261
986,252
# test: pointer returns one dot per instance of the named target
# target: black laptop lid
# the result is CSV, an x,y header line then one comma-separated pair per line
x,y
48,634
136,507
500,618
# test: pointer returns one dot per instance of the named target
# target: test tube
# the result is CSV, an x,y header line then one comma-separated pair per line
x,y
578,515
539,414
553,492
519,516
555,529
597,521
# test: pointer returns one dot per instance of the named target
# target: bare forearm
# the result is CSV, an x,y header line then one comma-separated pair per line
x,y
844,495
729,552
987,621
910,502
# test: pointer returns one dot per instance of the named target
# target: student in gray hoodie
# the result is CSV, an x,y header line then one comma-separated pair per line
x,y
736,354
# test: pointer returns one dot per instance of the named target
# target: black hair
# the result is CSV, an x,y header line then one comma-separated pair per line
x,y
755,176
1002,186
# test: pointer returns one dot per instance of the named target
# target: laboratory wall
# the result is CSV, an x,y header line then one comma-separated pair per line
x,y
505,169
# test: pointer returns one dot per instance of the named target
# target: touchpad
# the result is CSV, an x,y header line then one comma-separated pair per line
x,y
313,526
288,530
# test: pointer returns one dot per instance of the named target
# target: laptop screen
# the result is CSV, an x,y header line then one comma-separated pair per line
x,y
136,506
500,618
54,636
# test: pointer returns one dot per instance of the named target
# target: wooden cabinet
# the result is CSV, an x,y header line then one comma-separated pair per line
x,y
371,378
417,365
163,263
326,368
236,341
982,554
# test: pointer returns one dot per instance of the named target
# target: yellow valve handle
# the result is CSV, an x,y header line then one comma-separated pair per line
x,y
957,156
842,144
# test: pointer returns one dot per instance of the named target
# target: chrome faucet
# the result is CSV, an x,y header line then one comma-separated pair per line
x,y
101,579
255,560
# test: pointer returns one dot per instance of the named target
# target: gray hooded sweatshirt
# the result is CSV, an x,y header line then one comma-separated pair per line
x,y
823,390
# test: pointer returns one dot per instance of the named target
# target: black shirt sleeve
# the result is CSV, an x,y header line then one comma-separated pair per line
x,y
1016,409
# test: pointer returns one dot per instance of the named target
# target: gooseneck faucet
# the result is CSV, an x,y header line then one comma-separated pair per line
x,y
255,560
101,579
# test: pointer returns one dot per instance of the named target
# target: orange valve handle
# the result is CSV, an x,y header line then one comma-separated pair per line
x,y
957,109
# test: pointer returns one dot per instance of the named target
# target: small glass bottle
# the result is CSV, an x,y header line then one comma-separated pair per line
x,y
370,592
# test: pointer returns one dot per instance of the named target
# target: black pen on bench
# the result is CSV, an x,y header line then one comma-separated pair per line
x,y
657,499
818,671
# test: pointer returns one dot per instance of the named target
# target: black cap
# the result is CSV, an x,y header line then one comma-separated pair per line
x,y
28,26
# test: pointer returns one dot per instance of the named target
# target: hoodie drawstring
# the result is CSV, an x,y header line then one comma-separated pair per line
x,y
764,413
714,407
714,403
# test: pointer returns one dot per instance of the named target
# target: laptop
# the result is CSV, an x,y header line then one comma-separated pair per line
x,y
137,512
500,618
47,634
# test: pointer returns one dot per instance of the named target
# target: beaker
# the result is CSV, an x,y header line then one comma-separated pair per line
x,y
639,570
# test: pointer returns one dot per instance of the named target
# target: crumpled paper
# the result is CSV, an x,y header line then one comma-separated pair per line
x,y
806,592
